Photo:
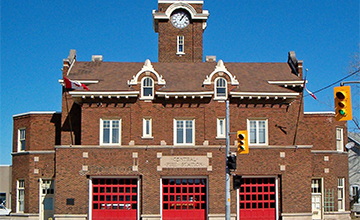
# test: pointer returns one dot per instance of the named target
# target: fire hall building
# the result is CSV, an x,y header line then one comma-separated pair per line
x,y
147,140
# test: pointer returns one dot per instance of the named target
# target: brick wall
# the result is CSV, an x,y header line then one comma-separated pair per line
x,y
42,134
42,131
301,164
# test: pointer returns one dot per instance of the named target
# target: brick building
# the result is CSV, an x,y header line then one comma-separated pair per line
x,y
147,141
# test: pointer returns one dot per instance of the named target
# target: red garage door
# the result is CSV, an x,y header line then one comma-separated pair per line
x,y
257,199
184,199
114,199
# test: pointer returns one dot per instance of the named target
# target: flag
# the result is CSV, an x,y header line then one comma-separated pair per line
x,y
70,84
312,94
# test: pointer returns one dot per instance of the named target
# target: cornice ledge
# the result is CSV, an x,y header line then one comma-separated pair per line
x,y
292,83
34,152
327,152
93,94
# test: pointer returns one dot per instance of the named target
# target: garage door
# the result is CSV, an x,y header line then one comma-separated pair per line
x,y
257,199
184,199
114,198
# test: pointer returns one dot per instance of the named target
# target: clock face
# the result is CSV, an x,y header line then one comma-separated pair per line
x,y
180,19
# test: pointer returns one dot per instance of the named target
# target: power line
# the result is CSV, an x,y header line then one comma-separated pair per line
x,y
351,74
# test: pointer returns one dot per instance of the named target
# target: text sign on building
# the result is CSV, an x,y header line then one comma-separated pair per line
x,y
184,162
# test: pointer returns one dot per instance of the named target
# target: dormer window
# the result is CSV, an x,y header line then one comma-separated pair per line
x,y
147,90
220,88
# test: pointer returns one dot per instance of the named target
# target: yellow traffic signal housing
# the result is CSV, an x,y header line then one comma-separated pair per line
x,y
342,96
242,146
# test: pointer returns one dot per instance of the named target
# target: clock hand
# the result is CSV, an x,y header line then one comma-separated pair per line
x,y
182,17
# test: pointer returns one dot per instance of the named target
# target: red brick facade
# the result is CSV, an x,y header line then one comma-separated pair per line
x,y
66,147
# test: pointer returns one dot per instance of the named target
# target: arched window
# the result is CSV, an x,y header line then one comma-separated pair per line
x,y
220,88
147,88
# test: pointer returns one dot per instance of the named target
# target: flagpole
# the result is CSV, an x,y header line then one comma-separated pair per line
x,y
71,84
70,124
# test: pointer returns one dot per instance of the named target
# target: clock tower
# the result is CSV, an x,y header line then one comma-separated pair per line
x,y
180,25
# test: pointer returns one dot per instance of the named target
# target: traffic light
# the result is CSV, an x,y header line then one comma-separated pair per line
x,y
342,96
231,162
236,182
242,146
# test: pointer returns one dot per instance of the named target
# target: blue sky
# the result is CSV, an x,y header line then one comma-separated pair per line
x,y
37,35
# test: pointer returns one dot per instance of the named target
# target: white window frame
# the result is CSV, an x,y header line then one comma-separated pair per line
x,y
149,97
257,131
354,189
102,120
147,128
20,190
216,86
220,128
184,131
180,45
341,194
340,139
21,139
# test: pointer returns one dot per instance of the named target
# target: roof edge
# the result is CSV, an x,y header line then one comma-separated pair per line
x,y
36,113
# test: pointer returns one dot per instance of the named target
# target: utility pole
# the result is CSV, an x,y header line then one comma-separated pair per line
x,y
227,170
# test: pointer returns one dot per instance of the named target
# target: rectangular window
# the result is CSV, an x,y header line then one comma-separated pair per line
x,y
221,129
354,192
180,44
3,198
339,139
110,132
21,139
184,132
147,128
258,132
20,195
341,194
316,186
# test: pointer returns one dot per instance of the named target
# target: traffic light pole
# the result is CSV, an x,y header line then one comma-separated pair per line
x,y
227,170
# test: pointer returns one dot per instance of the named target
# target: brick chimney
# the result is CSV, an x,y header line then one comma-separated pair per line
x,y
295,64
69,61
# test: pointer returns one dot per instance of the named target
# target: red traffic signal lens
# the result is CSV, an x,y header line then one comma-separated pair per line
x,y
340,95
241,136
